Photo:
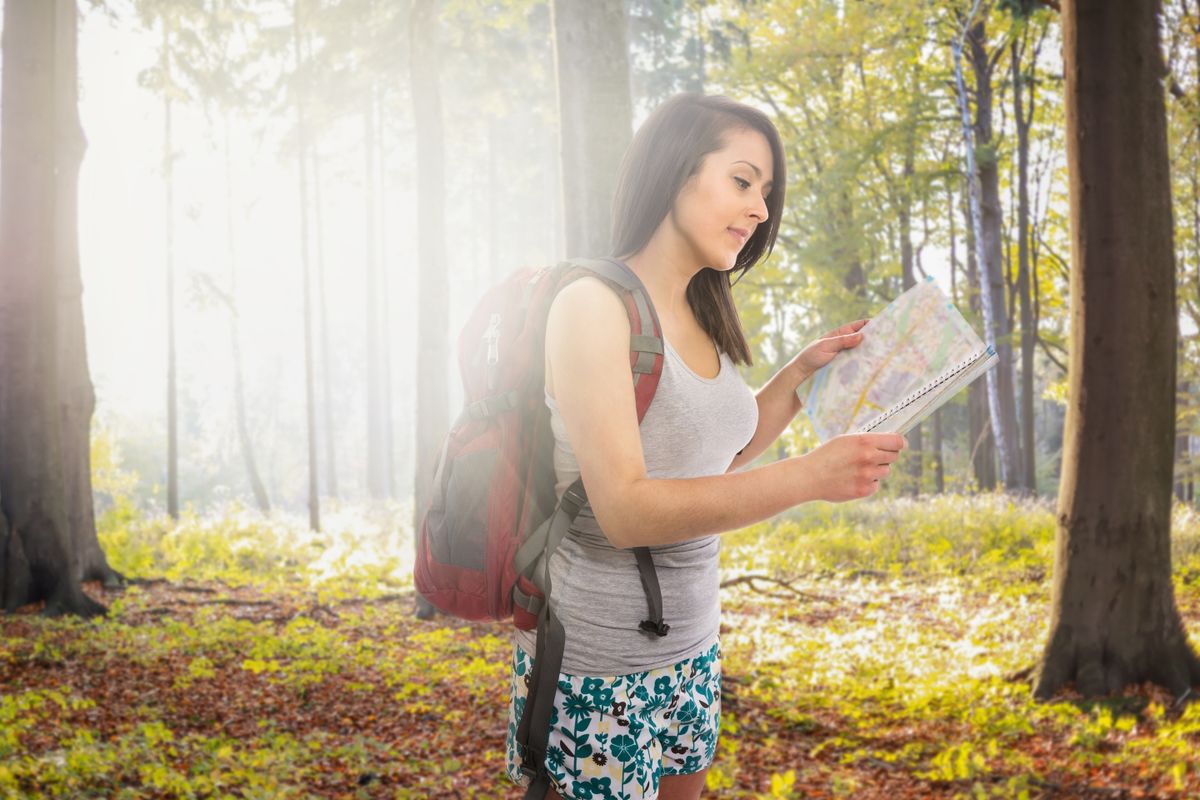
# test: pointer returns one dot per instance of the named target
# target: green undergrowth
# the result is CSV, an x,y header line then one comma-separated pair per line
x,y
887,639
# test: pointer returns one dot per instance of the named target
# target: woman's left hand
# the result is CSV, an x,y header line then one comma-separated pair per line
x,y
822,351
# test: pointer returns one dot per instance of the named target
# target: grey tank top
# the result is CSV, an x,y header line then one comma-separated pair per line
x,y
693,428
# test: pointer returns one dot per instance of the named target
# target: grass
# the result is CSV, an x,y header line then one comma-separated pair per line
x,y
871,658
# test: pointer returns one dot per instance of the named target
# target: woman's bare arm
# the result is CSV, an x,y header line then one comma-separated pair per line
x,y
587,347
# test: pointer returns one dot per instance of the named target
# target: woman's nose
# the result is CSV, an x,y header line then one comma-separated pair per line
x,y
760,209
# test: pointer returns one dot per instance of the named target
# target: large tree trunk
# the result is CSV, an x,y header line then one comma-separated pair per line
x,y
1113,615
596,115
989,246
42,410
433,340
1028,332
314,497
245,443
77,395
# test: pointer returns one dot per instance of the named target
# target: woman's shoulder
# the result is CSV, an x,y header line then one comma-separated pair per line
x,y
585,303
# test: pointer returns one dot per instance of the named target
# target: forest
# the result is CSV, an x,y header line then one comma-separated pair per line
x,y
239,240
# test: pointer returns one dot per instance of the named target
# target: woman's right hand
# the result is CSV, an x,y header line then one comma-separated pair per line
x,y
851,466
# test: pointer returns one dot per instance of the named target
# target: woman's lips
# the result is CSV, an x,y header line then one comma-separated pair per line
x,y
739,234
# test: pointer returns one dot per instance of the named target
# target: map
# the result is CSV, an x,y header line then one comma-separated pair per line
x,y
915,344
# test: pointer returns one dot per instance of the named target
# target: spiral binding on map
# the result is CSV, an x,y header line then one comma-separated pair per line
x,y
917,395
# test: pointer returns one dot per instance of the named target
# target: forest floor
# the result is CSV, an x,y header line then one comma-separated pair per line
x,y
863,677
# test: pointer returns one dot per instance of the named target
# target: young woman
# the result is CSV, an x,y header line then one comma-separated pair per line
x,y
699,198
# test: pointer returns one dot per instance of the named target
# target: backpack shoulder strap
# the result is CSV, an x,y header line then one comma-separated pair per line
x,y
645,332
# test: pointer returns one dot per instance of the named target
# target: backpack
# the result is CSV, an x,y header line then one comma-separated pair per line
x,y
493,519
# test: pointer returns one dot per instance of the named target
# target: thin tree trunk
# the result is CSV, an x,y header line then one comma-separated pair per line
x,y
385,309
169,228
41,146
1113,615
239,385
916,455
314,498
984,195
376,462
595,113
331,434
433,351
980,443
1028,331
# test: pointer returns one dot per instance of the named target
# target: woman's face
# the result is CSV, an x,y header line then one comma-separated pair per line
x,y
719,207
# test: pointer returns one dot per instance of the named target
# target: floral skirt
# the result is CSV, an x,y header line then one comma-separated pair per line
x,y
615,737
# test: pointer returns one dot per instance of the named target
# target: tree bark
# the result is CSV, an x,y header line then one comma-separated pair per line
x,y
385,308
596,116
331,470
77,395
916,455
1028,330
41,146
433,351
376,461
245,443
1001,391
1113,615
310,409
980,444
169,232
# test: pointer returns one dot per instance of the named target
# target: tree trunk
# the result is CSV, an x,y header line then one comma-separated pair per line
x,y
77,395
43,412
916,454
376,462
169,231
433,350
1028,331
239,384
385,309
310,408
331,471
986,200
596,115
980,444
1113,614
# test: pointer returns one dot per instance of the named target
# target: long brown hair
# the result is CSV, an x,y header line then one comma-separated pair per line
x,y
667,150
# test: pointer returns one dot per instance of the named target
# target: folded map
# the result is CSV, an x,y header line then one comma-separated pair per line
x,y
915,355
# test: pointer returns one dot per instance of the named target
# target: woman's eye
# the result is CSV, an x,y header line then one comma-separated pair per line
x,y
743,183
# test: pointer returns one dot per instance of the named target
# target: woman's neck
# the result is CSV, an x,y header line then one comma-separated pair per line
x,y
666,268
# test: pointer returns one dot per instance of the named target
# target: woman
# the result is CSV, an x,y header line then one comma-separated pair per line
x,y
699,198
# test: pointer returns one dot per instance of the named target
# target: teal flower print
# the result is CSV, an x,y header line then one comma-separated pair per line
x,y
576,707
600,788
662,686
601,696
624,748
555,756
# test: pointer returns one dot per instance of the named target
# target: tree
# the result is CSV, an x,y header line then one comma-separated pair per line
x,y
595,113
983,177
1113,618
310,409
433,352
47,537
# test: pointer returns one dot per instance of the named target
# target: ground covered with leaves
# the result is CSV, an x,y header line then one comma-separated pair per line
x,y
873,650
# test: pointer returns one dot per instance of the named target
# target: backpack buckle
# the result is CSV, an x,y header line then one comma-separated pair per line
x,y
573,501
655,626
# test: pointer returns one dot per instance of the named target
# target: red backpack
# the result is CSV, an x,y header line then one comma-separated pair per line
x,y
492,497
493,521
